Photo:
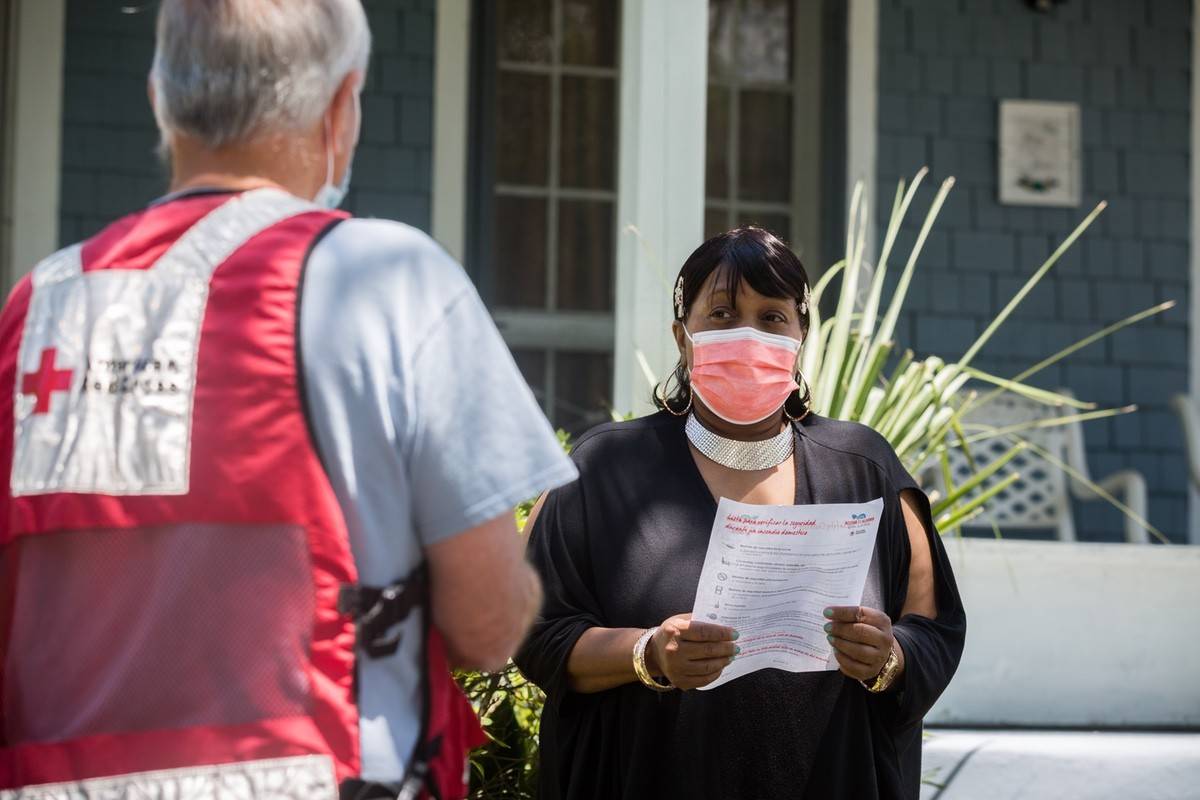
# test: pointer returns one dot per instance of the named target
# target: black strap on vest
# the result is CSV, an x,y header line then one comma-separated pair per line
x,y
377,611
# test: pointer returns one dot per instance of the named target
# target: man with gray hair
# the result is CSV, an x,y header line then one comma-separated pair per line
x,y
261,458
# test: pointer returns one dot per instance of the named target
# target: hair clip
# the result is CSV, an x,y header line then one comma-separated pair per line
x,y
804,302
679,298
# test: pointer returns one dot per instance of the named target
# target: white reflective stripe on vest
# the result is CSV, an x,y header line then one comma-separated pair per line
x,y
297,778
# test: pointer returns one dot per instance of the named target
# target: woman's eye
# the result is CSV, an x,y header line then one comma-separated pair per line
x,y
719,313
779,319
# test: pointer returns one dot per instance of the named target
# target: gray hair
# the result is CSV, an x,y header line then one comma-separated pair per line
x,y
226,71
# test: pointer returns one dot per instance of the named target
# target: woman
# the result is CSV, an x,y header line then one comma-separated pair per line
x,y
620,553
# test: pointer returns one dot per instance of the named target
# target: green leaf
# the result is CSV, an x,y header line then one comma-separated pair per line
x,y
1029,284
960,513
976,480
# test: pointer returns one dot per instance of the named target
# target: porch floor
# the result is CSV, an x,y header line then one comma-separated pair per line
x,y
1084,765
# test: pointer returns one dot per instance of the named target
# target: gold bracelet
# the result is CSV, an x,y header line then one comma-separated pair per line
x,y
887,675
639,663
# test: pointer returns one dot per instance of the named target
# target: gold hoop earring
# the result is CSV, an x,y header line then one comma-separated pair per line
x,y
800,379
666,405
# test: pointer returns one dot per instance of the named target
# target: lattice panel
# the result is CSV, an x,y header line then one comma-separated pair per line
x,y
1039,498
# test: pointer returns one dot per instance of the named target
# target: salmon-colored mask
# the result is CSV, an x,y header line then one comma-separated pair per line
x,y
743,375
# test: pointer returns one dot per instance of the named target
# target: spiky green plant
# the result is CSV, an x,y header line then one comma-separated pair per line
x,y
510,708
919,404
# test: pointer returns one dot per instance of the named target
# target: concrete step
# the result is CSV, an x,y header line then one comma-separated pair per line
x,y
960,764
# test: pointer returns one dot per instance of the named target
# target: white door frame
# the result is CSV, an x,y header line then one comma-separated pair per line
x,y
862,100
1194,273
451,123
660,183
35,134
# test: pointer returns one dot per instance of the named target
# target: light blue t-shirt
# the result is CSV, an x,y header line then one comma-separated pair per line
x,y
425,426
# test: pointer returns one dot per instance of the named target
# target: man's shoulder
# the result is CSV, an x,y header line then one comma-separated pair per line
x,y
368,243
383,266
386,231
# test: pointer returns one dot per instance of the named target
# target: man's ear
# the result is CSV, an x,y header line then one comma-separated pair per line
x,y
345,114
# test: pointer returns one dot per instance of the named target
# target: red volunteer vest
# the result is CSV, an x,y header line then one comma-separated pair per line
x,y
172,551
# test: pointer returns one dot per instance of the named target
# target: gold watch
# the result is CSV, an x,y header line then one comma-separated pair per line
x,y
887,675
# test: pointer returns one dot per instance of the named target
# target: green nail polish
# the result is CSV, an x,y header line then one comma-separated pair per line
x,y
829,613
736,650
830,638
736,635
829,627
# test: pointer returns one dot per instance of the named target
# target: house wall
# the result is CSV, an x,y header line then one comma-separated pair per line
x,y
943,67
109,137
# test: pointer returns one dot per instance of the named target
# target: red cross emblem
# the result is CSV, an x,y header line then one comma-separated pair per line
x,y
46,381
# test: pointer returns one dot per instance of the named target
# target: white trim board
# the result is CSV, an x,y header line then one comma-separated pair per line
x,y
1194,273
451,103
660,181
862,97
36,133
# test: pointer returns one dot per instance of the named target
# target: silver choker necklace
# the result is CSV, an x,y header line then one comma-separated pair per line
x,y
736,454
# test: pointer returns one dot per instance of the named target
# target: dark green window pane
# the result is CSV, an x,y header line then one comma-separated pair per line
x,y
587,152
764,41
590,32
532,364
524,30
585,255
716,220
583,386
716,144
520,256
778,224
522,128
765,147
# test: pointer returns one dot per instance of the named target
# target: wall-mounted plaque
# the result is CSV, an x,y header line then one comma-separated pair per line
x,y
1039,153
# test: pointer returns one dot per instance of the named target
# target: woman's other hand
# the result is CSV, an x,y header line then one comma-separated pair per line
x,y
861,639
690,653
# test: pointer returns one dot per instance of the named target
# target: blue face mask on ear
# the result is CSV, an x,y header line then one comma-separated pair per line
x,y
330,196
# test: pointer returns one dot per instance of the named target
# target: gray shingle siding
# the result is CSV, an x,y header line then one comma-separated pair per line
x,y
944,65
109,137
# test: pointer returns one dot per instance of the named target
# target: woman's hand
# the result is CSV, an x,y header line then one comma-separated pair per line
x,y
861,639
690,654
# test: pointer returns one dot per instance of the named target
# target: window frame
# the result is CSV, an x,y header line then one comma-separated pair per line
x,y
548,329
805,90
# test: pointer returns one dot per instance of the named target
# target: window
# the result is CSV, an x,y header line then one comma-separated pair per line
x,y
765,89
544,198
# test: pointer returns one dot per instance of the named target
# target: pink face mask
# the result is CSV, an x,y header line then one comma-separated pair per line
x,y
743,375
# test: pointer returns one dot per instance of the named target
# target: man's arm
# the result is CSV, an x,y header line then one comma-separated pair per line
x,y
484,594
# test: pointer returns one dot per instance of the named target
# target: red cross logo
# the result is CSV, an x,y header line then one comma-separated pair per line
x,y
46,381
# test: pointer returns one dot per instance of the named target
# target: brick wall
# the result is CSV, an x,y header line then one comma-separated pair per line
x,y
108,163
944,65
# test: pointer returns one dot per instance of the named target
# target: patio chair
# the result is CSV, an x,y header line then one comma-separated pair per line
x,y
1189,417
1041,498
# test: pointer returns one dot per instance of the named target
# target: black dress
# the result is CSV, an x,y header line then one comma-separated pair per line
x,y
623,548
